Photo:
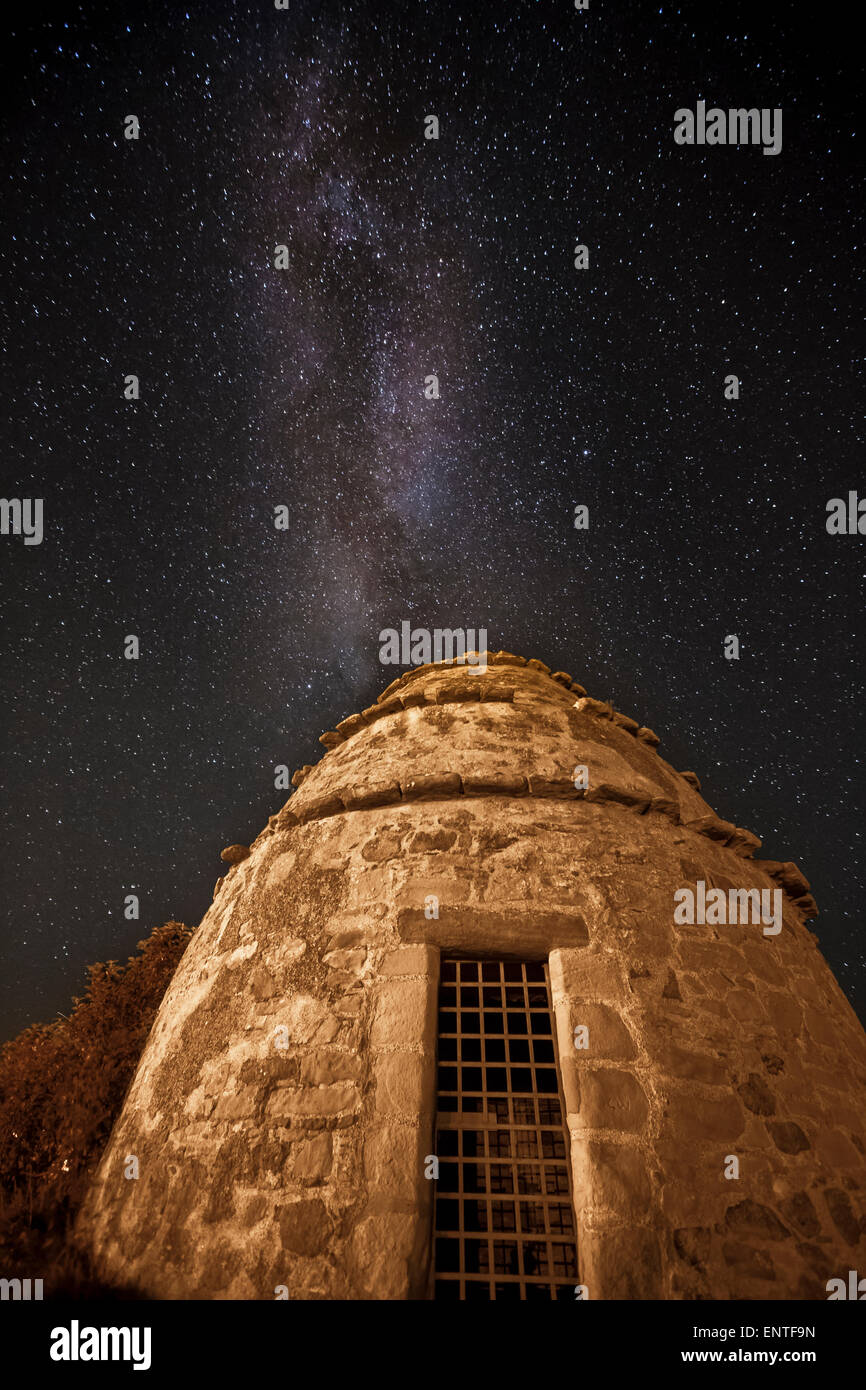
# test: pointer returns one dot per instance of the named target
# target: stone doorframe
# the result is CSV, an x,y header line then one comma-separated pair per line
x,y
399,1215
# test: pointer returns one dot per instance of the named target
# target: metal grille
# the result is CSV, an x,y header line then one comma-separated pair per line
x,y
504,1225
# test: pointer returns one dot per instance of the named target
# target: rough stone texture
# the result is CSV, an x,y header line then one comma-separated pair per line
x,y
282,1111
234,854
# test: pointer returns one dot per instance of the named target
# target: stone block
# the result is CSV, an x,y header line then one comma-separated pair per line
x,y
712,827
235,854
342,980
743,842
800,1214
745,1006
788,1137
317,807
378,1256
439,785
310,1161
399,1078
349,1006
431,841
331,739
756,1095
623,1263
562,788
255,1209
393,705
608,1037
348,960
409,960
788,875
327,1066
600,708
350,726
576,974
611,1099
290,1103
494,784
610,1181
413,699
623,796
262,983
671,988
383,845
752,1220
240,1106
686,1064
690,1118
357,798
454,692
647,736
393,1160
304,1226
404,1014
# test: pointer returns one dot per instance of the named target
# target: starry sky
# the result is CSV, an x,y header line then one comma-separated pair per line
x,y
304,388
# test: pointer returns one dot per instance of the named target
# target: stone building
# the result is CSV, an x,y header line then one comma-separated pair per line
x,y
441,1035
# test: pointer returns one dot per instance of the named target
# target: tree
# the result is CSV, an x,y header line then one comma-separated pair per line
x,y
61,1087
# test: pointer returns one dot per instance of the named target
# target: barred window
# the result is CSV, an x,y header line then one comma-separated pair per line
x,y
504,1222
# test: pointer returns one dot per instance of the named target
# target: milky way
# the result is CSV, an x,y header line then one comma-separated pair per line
x,y
304,387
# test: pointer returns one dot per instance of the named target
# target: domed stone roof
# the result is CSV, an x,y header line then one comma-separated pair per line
x,y
510,727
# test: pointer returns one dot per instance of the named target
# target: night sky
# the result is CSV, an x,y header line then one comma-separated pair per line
x,y
304,387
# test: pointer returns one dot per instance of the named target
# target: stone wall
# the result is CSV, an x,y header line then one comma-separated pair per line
x,y
283,1107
